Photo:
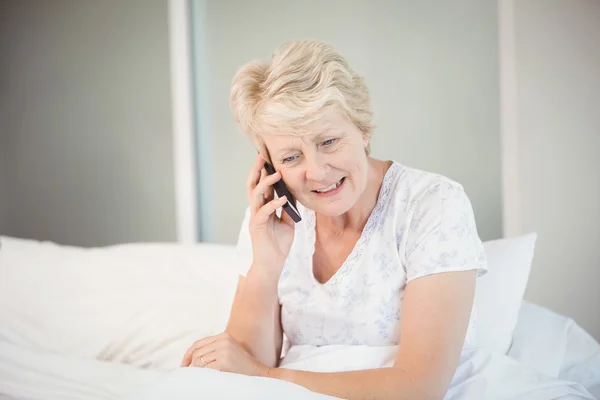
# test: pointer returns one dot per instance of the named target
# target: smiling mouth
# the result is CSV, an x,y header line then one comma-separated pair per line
x,y
330,187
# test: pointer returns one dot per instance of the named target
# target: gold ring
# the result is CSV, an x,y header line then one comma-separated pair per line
x,y
202,360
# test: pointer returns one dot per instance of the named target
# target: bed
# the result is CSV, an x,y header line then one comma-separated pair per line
x,y
113,323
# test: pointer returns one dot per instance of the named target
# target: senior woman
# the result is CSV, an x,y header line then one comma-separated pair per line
x,y
384,254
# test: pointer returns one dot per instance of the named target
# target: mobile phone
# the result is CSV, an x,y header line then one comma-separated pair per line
x,y
290,206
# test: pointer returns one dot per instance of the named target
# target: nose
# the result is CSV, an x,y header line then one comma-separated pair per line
x,y
316,168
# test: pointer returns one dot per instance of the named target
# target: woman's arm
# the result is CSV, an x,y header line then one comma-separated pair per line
x,y
435,317
266,239
255,317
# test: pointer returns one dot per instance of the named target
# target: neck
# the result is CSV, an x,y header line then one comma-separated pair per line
x,y
356,218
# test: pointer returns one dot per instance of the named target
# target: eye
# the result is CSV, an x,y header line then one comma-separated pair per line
x,y
288,159
329,142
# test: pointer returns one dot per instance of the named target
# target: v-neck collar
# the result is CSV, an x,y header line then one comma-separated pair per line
x,y
362,241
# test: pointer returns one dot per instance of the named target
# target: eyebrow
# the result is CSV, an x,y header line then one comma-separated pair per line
x,y
315,139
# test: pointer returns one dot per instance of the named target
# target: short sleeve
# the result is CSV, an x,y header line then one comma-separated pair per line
x,y
442,234
244,246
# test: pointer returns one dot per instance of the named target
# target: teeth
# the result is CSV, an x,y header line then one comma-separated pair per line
x,y
331,187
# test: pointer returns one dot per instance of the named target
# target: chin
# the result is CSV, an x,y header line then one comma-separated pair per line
x,y
333,209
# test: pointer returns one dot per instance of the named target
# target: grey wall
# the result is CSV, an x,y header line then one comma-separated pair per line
x,y
86,100
3,132
432,69
559,142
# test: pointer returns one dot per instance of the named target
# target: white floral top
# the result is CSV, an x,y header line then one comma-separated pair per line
x,y
422,224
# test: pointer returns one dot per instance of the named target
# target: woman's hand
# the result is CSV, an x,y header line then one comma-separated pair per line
x,y
223,353
271,236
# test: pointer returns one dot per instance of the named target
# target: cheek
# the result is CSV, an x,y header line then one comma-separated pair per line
x,y
358,167
352,159
292,179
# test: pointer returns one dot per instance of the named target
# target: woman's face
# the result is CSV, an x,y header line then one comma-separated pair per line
x,y
325,170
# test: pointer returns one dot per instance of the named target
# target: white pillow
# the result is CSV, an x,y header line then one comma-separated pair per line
x,y
142,304
500,292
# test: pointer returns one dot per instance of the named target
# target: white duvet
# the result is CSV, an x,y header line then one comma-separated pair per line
x,y
564,365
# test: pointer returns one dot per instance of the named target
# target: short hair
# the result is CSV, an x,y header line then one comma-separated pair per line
x,y
303,80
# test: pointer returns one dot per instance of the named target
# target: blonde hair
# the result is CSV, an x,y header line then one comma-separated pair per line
x,y
303,80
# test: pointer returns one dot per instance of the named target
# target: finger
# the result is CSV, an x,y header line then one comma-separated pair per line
x,y
258,194
213,365
263,174
286,218
187,358
203,357
269,193
254,175
265,211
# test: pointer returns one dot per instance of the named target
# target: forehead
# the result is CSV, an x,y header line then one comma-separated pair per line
x,y
328,125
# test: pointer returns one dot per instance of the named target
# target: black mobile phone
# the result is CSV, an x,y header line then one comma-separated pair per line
x,y
290,206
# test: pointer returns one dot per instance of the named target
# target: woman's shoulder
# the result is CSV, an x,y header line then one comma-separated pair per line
x,y
411,185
